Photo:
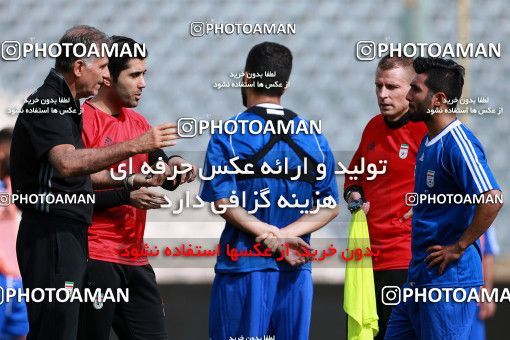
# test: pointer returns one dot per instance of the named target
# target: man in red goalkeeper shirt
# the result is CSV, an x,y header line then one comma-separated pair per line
x,y
118,222
392,137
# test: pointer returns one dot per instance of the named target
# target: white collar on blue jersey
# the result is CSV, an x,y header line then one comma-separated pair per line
x,y
270,106
272,109
447,129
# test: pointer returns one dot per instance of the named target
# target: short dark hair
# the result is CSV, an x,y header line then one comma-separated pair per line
x,y
389,62
117,64
82,34
270,57
443,75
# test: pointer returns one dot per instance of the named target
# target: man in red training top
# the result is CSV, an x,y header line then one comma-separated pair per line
x,y
118,222
392,137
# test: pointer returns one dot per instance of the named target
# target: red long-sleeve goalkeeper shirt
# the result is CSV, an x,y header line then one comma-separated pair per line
x,y
398,143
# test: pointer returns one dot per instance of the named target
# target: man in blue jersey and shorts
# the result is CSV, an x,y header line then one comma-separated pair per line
x,y
456,199
269,294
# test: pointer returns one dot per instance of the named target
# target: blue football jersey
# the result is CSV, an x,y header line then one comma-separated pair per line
x,y
453,162
490,244
223,147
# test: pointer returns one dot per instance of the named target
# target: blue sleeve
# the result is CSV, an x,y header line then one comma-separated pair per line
x,y
16,321
327,186
218,153
491,246
469,166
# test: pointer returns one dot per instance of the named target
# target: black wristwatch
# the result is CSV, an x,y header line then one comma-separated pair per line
x,y
355,205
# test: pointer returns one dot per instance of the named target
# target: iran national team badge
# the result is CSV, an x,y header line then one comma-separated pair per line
x,y
430,178
69,285
98,304
404,150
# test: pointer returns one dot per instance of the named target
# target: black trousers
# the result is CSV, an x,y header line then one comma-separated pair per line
x,y
51,251
143,317
384,278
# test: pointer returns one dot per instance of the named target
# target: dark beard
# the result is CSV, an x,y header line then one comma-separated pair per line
x,y
5,168
244,97
420,114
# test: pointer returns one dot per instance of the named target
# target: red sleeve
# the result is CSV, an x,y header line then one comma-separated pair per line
x,y
355,161
355,182
89,131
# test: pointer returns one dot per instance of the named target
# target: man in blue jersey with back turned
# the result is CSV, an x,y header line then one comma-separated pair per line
x,y
269,294
451,173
